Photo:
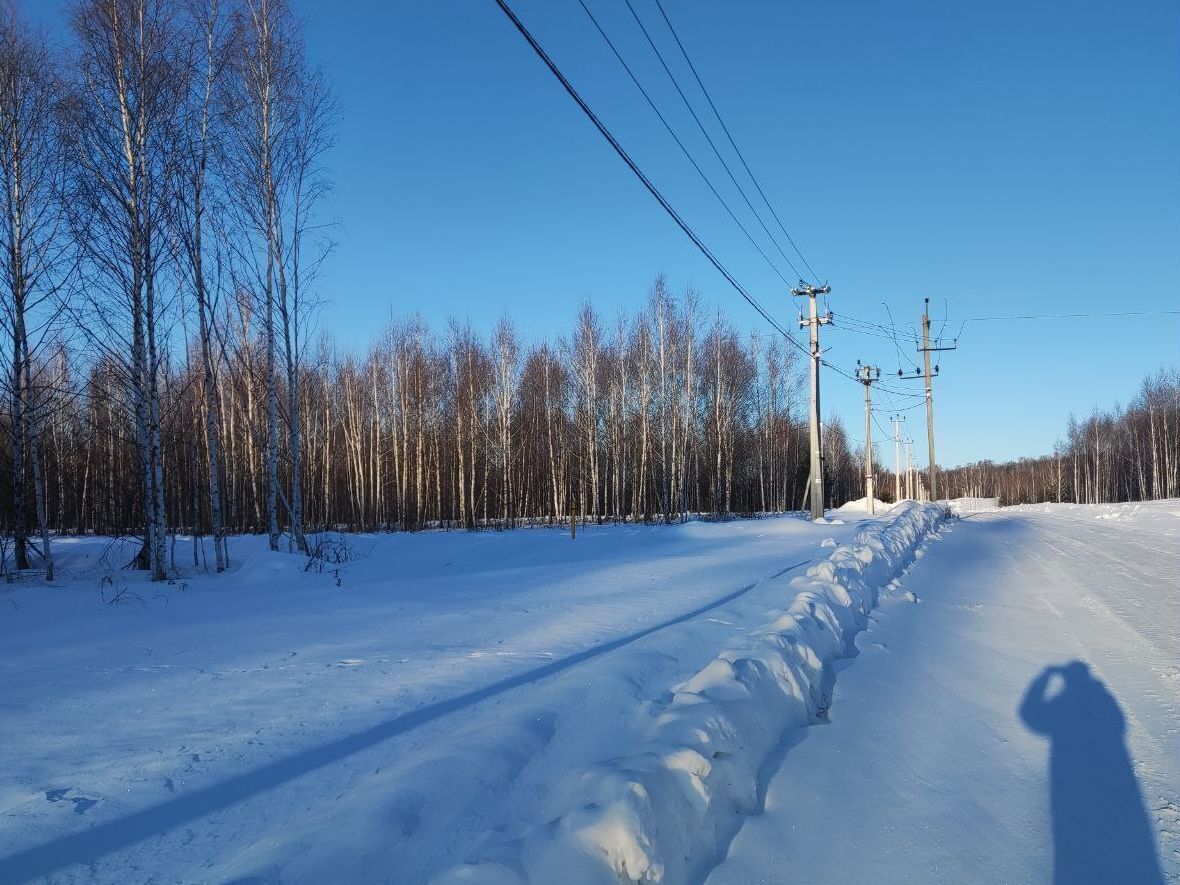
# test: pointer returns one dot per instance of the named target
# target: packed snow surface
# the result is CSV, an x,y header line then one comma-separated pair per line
x,y
715,702
1020,724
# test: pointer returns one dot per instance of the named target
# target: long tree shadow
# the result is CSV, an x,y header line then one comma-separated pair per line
x,y
89,845
1101,832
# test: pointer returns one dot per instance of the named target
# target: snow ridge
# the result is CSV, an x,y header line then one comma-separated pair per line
x,y
666,812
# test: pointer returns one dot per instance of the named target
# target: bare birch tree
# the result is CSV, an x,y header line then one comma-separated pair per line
x,y
32,243
120,128
200,146
283,124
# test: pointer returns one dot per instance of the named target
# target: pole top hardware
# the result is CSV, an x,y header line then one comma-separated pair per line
x,y
867,374
806,289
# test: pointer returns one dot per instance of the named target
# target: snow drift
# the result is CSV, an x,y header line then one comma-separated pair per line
x,y
960,506
860,506
666,811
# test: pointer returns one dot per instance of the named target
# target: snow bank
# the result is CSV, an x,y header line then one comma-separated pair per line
x,y
860,505
666,811
490,661
959,506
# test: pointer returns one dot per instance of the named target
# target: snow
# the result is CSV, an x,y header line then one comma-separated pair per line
x,y
963,506
942,760
664,810
709,702
220,727
859,506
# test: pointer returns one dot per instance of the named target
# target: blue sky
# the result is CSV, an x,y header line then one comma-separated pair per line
x,y
1009,157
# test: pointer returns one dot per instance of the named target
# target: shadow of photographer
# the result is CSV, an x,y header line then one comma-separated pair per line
x,y
1101,832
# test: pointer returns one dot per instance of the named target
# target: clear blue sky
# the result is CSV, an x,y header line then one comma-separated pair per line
x,y
1012,157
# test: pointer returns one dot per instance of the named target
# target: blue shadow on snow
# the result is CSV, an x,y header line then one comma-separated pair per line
x,y
88,846
1101,832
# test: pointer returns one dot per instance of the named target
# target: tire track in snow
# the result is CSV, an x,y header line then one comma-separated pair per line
x,y
1099,606
1149,745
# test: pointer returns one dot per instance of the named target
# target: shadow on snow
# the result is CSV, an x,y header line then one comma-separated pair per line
x,y
1101,832
88,846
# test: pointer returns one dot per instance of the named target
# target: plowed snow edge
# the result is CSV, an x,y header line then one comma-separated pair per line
x,y
666,813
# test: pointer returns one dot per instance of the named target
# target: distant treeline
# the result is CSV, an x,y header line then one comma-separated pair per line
x,y
1126,454
160,236
648,417
159,242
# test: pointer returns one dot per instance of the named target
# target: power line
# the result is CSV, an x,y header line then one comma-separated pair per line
x,y
888,330
893,407
851,377
893,329
1074,316
659,197
631,164
651,103
839,323
692,111
733,143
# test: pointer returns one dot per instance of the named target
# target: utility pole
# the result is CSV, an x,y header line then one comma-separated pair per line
x,y
926,348
929,401
815,485
866,375
896,458
909,469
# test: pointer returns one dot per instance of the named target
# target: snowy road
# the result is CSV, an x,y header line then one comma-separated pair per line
x,y
932,771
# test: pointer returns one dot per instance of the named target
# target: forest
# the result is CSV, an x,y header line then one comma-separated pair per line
x,y
163,376
1129,453
161,244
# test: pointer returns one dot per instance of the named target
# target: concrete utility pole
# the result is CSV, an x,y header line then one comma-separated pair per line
x,y
815,485
926,348
896,458
929,402
866,375
909,469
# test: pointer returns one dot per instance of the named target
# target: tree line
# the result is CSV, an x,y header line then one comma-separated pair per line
x,y
1129,453
163,179
160,239
649,417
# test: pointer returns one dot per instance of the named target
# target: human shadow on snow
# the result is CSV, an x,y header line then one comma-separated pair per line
x,y
1101,832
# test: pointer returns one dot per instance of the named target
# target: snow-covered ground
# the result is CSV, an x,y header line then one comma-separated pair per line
x,y
658,703
956,753
271,724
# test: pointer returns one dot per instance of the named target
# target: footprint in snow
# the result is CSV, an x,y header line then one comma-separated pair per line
x,y
82,804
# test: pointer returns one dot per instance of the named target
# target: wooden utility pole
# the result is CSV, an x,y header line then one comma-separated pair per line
x,y
815,484
866,375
